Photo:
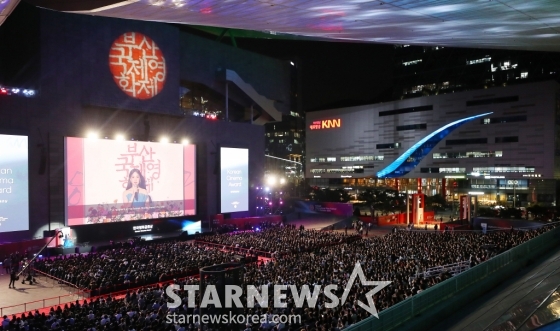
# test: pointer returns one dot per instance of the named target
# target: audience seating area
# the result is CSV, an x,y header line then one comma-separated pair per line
x,y
302,257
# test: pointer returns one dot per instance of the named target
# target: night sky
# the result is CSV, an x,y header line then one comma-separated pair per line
x,y
334,74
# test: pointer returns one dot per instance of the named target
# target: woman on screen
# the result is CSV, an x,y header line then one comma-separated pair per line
x,y
136,194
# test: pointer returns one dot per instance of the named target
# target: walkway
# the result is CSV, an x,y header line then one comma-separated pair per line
x,y
527,301
45,293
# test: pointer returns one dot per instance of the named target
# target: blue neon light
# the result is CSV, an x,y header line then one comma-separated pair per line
x,y
421,149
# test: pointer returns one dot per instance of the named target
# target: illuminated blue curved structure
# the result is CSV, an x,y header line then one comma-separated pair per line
x,y
410,159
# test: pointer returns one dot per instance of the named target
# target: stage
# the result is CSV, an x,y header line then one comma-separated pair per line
x,y
45,293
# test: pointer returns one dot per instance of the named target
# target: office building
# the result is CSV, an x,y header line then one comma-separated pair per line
x,y
500,143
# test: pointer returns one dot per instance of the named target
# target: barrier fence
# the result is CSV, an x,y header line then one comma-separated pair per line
x,y
457,291
45,303
246,251
254,252
127,287
80,294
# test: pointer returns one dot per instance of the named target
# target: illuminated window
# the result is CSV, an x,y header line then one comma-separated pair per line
x,y
524,75
465,155
443,170
409,63
506,119
484,59
338,171
451,170
361,158
331,159
503,169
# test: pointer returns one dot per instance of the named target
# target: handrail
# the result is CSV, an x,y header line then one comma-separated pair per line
x,y
454,268
234,249
269,254
58,279
123,287
93,298
25,304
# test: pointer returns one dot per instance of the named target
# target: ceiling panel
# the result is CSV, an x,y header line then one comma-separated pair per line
x,y
507,24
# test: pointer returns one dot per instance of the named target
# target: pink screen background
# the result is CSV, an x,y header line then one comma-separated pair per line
x,y
97,175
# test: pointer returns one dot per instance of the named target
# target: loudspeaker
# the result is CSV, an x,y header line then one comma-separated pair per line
x,y
43,161
49,233
227,216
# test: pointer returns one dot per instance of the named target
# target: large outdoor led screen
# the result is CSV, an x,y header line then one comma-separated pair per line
x,y
234,179
14,184
115,181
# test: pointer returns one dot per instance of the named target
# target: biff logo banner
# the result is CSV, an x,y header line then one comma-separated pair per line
x,y
326,124
137,65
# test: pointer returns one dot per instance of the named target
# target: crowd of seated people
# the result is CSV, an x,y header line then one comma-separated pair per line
x,y
129,267
279,240
398,257
228,228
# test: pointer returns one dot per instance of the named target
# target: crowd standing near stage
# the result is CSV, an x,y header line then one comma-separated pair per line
x,y
399,257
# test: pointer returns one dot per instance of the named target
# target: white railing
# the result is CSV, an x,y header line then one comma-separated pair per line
x,y
453,268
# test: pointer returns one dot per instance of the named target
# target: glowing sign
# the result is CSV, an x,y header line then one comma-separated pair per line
x,y
142,228
137,65
325,124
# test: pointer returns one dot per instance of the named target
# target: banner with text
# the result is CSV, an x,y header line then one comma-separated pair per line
x,y
14,183
234,179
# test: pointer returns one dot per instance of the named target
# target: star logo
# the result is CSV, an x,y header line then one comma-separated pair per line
x,y
379,285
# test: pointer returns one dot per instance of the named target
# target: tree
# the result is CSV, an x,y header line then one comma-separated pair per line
x,y
510,213
487,212
328,195
435,203
539,212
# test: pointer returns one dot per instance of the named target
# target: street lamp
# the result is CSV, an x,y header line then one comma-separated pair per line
x,y
514,183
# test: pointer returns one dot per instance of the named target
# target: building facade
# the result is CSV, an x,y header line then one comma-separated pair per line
x,y
80,86
499,143
420,71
